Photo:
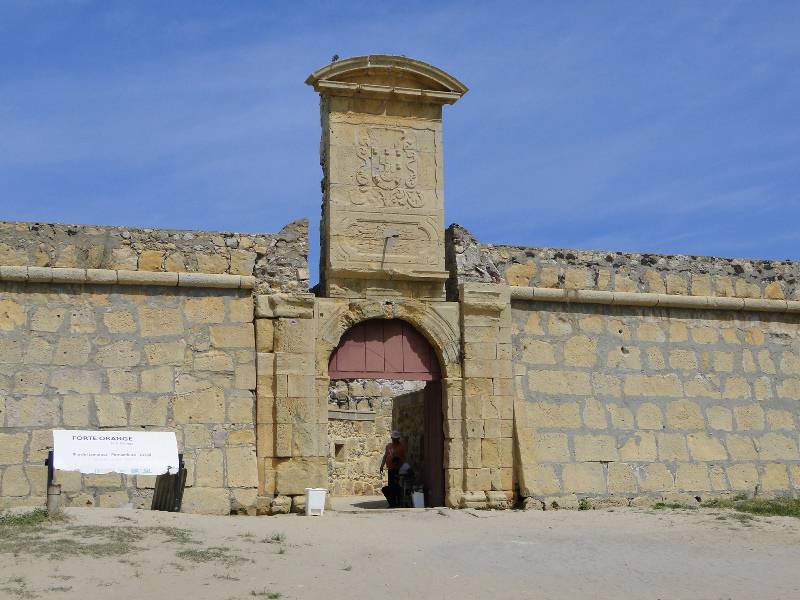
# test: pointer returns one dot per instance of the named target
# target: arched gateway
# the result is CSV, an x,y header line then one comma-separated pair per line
x,y
392,349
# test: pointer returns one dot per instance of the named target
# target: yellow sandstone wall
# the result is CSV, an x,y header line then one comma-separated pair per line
x,y
632,402
91,341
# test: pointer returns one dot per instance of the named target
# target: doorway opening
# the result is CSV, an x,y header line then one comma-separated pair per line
x,y
385,376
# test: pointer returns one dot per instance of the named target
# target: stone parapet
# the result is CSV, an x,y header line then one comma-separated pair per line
x,y
278,262
470,260
56,275
653,300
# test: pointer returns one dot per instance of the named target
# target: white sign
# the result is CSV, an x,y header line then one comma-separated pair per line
x,y
128,452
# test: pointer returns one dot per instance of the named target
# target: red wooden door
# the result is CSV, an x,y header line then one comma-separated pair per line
x,y
384,348
433,471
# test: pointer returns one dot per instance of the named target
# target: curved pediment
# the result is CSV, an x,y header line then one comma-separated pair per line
x,y
380,74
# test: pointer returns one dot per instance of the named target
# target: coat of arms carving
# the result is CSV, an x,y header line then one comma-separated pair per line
x,y
387,175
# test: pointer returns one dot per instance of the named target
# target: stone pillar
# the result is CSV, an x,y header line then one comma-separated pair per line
x,y
488,409
291,446
381,153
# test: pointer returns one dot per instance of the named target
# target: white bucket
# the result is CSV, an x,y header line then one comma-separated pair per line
x,y
418,499
315,501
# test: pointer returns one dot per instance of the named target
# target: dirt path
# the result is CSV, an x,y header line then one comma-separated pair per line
x,y
425,555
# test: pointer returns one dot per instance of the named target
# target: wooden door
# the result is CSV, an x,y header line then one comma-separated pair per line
x,y
433,470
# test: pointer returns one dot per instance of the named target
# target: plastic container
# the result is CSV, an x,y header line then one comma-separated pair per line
x,y
418,499
315,501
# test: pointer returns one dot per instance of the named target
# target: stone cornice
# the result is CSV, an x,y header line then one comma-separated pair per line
x,y
367,76
653,300
20,274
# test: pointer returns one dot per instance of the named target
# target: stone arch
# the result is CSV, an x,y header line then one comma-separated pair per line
x,y
440,333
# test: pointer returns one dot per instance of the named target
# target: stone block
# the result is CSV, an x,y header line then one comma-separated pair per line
x,y
655,477
264,335
149,411
683,359
48,319
208,501
240,310
158,380
621,479
14,482
621,417
652,385
477,480
641,447
201,406
166,353
75,411
584,478
554,415
70,481
749,417
294,475
241,407
196,436
704,446
737,388
780,420
551,447
580,351
571,383
720,418
106,480
233,336
692,478
122,380
684,414
208,468
115,499
775,446
159,321
606,385
595,448
33,411
774,477
741,447
648,416
111,410
742,477
624,357
594,415
12,448
118,354
672,447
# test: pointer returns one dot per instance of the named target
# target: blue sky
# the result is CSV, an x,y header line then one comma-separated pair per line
x,y
642,126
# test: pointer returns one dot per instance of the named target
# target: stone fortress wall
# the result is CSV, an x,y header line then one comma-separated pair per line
x,y
567,375
117,328
650,376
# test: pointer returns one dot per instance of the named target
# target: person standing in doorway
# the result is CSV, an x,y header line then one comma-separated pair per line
x,y
393,458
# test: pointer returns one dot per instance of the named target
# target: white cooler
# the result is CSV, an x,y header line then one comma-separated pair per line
x,y
315,501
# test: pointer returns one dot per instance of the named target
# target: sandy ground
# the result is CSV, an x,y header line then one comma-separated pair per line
x,y
622,553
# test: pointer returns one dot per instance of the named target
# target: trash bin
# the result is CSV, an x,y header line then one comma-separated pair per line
x,y
315,501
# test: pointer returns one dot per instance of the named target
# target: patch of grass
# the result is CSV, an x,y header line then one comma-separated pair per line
x,y
266,594
584,504
778,507
674,505
27,533
17,588
282,550
215,553
32,518
275,538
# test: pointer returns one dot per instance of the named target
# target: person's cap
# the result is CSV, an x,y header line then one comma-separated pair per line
x,y
395,435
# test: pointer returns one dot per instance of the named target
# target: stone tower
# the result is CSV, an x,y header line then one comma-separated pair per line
x,y
381,154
